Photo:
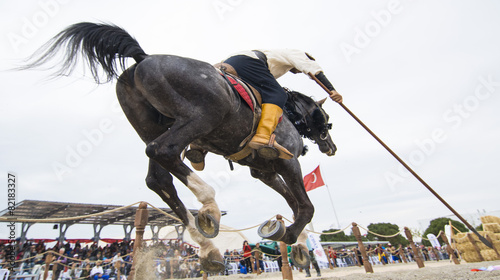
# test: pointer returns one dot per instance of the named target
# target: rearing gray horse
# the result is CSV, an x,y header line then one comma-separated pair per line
x,y
174,101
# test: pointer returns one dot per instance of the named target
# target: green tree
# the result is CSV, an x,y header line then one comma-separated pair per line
x,y
386,229
341,236
438,224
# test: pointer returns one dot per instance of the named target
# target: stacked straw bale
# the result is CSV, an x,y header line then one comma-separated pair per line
x,y
491,226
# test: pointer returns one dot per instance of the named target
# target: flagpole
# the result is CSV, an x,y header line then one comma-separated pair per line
x,y
331,200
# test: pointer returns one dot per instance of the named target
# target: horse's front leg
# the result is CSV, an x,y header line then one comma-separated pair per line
x,y
291,187
160,181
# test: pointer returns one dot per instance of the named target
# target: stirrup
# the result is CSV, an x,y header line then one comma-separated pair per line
x,y
272,150
197,158
195,155
268,152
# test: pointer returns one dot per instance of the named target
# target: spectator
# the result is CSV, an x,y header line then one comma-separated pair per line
x,y
358,256
60,262
381,254
247,252
277,254
314,263
258,257
97,272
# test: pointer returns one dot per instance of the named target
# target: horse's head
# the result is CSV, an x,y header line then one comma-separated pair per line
x,y
310,120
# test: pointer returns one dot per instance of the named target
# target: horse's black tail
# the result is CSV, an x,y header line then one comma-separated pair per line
x,y
100,45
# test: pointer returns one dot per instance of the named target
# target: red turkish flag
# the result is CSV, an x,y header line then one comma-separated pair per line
x,y
313,180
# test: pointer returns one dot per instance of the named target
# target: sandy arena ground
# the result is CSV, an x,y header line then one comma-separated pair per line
x,y
442,270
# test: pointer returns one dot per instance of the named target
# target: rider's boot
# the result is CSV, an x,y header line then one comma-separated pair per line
x,y
263,140
196,155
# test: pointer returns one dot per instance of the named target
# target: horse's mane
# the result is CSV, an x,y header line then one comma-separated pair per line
x,y
295,111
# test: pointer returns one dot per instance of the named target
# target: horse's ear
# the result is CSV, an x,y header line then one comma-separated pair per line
x,y
321,101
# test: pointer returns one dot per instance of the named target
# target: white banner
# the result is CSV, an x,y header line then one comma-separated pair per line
x,y
319,253
447,231
434,241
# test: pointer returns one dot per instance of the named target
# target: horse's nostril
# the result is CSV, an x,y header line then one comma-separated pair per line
x,y
331,152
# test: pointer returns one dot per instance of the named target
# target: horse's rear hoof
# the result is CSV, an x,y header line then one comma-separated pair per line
x,y
273,230
213,262
300,257
207,225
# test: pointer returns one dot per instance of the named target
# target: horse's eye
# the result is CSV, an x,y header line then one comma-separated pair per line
x,y
323,136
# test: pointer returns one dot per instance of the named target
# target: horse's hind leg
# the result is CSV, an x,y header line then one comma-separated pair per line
x,y
181,88
144,118
166,151
160,181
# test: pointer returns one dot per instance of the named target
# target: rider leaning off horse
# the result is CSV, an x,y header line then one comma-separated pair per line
x,y
260,69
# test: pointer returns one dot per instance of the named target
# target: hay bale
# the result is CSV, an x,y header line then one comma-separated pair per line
x,y
470,257
482,233
489,255
496,244
493,227
497,236
461,237
465,247
490,219
481,246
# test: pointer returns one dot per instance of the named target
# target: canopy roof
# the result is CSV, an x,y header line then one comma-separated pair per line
x,y
36,209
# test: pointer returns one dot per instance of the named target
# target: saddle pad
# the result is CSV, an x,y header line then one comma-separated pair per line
x,y
241,91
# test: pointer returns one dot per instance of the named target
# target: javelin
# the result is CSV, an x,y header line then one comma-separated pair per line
x,y
484,240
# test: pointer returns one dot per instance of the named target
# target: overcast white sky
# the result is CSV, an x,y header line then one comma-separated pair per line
x,y
423,75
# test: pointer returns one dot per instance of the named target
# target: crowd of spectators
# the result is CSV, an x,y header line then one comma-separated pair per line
x,y
173,259
380,254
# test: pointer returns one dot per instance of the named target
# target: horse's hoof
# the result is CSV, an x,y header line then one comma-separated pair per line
x,y
300,257
207,225
213,262
273,230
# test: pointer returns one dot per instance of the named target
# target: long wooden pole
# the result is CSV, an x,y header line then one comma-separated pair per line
x,y
414,248
141,220
286,270
361,246
48,260
450,250
484,240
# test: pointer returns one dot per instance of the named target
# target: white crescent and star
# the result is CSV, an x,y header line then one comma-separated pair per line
x,y
315,178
